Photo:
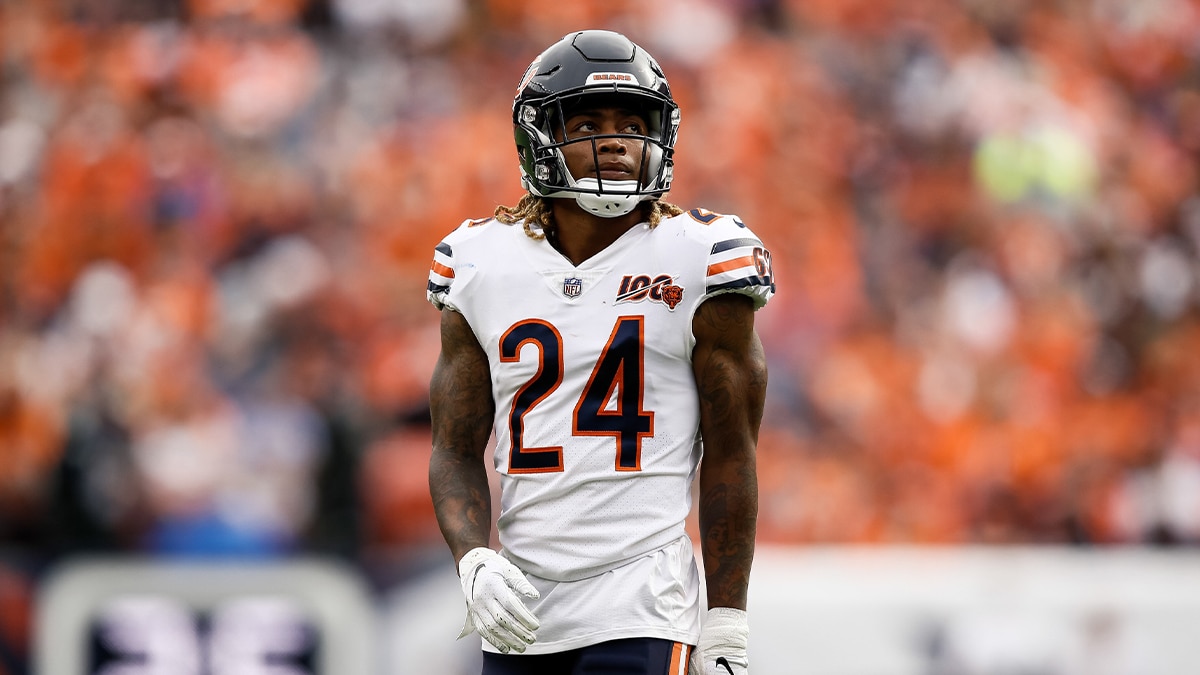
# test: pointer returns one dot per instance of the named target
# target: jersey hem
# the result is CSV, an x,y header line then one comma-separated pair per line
x,y
603,636
531,568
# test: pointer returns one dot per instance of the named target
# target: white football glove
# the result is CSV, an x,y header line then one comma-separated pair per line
x,y
491,585
723,639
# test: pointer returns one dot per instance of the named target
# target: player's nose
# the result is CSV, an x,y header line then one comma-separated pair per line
x,y
610,143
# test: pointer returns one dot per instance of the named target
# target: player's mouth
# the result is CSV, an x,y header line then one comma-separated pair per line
x,y
614,171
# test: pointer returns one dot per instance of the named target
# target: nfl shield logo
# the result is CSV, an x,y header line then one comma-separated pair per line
x,y
572,287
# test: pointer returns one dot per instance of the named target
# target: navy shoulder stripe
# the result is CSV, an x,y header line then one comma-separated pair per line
x,y
444,248
437,288
744,282
734,243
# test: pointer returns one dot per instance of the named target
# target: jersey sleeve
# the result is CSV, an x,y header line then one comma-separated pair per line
x,y
451,267
738,262
441,274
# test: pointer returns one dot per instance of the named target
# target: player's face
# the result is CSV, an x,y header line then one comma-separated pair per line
x,y
613,158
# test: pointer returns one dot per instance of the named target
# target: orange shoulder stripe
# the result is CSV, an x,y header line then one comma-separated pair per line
x,y
717,268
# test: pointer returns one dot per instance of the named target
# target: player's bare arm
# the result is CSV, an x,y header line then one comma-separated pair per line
x,y
461,406
731,379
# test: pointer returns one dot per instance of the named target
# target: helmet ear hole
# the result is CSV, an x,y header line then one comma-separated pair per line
x,y
545,173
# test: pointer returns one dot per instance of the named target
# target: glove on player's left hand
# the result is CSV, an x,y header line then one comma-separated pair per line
x,y
723,640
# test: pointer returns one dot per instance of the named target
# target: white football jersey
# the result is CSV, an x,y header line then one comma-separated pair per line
x,y
597,415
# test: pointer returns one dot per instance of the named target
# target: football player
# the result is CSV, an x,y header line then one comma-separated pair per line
x,y
607,338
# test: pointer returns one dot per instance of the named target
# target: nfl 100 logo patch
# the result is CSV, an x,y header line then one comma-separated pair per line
x,y
572,287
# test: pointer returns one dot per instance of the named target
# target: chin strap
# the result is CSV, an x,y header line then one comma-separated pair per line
x,y
619,197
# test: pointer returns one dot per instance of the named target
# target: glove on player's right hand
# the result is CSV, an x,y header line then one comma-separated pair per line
x,y
492,586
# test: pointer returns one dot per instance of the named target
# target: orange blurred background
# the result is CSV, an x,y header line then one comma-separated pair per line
x,y
216,219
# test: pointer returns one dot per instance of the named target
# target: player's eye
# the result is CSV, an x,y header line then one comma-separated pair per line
x,y
582,127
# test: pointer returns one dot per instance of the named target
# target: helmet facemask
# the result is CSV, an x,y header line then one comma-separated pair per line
x,y
543,123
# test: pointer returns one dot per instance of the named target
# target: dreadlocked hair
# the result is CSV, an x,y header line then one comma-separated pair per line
x,y
534,209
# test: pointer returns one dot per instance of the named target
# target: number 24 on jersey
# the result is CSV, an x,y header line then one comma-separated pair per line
x,y
620,368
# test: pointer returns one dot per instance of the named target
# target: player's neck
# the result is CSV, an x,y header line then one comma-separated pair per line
x,y
580,235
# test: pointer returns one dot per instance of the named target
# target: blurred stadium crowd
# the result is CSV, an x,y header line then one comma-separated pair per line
x,y
216,220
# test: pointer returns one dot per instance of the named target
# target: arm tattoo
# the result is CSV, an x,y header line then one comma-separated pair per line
x,y
731,382
461,409
727,542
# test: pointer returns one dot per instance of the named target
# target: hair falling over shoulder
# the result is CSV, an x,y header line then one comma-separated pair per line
x,y
534,209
